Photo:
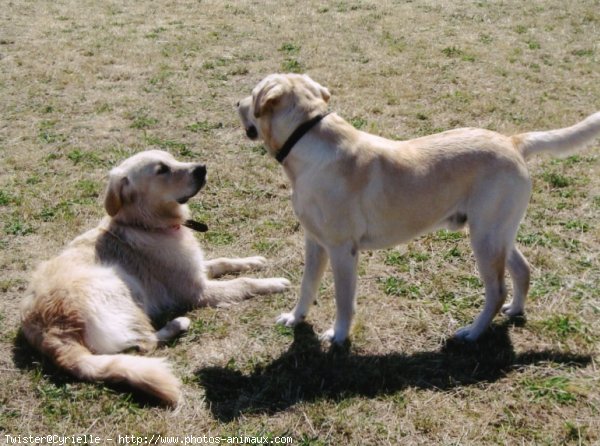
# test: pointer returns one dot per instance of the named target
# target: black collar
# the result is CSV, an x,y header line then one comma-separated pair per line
x,y
196,225
192,224
295,137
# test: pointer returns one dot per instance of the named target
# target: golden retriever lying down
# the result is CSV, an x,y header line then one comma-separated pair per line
x,y
100,295
354,191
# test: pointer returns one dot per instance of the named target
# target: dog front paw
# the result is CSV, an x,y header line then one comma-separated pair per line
x,y
511,310
334,336
289,319
255,263
465,334
279,284
181,324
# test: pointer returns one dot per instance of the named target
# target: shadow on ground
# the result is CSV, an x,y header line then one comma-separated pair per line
x,y
307,372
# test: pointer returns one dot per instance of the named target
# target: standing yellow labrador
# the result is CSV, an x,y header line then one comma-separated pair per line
x,y
354,191
100,296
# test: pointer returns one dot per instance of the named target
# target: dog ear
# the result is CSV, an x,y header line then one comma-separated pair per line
x,y
267,98
113,201
317,88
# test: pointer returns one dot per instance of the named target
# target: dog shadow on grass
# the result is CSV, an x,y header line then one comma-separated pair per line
x,y
307,372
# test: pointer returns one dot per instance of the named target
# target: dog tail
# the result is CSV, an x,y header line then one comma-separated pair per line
x,y
150,375
561,141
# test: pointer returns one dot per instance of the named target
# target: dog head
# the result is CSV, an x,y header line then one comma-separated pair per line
x,y
150,190
278,105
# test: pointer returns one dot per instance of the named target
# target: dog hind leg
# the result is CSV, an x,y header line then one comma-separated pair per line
x,y
494,217
491,262
173,329
520,273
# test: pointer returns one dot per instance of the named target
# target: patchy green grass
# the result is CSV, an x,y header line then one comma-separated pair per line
x,y
557,388
204,126
394,286
86,84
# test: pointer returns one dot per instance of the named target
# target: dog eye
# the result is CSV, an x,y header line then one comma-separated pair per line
x,y
162,169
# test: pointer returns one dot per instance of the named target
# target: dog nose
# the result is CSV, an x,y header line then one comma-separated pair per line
x,y
237,104
251,132
199,173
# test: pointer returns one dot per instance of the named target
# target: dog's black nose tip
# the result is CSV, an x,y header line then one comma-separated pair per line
x,y
237,104
251,132
200,172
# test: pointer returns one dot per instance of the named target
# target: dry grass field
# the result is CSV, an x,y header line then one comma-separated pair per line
x,y
84,84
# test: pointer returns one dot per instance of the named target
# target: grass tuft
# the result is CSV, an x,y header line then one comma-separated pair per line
x,y
558,389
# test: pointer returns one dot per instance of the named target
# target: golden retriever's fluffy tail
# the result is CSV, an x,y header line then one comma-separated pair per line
x,y
150,375
559,142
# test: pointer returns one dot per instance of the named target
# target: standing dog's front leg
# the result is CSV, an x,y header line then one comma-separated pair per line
x,y
314,266
344,261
